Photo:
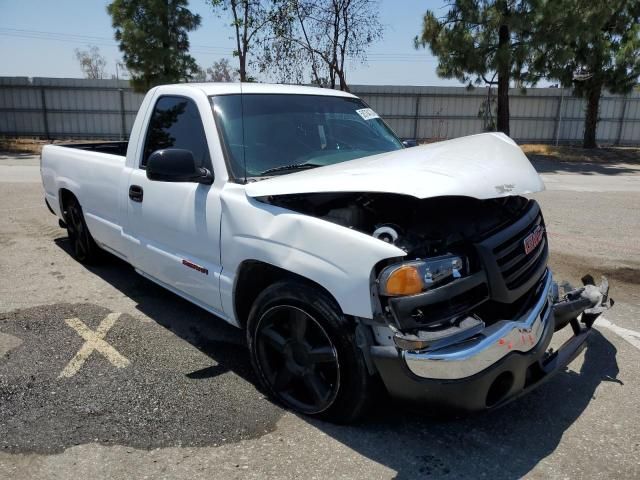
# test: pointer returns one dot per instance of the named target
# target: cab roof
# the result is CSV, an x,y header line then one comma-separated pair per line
x,y
222,88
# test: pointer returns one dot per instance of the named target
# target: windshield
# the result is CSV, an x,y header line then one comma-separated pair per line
x,y
281,133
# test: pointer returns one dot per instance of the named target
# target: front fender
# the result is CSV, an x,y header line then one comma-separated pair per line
x,y
337,258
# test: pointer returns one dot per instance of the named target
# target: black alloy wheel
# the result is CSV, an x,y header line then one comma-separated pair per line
x,y
305,354
297,358
84,247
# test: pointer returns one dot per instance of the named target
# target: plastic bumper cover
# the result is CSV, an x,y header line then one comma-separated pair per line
x,y
506,360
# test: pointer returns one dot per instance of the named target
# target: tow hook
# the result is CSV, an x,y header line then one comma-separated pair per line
x,y
589,300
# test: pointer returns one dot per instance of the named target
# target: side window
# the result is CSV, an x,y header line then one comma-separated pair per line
x,y
175,123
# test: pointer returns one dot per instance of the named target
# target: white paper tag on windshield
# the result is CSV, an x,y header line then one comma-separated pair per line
x,y
367,114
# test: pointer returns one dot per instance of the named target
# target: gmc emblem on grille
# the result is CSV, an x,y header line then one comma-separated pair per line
x,y
532,240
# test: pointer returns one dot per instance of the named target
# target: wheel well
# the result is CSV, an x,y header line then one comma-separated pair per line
x,y
64,196
253,277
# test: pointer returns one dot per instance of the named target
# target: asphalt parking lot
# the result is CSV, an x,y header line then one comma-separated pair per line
x,y
105,375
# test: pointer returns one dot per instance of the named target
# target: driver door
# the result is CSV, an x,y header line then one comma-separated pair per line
x,y
176,225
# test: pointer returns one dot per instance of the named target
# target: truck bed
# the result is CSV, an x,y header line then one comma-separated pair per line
x,y
92,172
112,148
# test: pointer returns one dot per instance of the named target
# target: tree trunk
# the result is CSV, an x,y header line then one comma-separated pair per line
x,y
240,38
591,119
343,81
243,68
503,80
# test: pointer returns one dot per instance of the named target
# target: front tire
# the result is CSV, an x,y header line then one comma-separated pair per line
x,y
304,352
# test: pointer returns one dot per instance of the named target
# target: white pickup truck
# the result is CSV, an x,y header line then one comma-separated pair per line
x,y
296,214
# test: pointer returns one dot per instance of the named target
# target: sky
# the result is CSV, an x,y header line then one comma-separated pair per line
x,y
38,39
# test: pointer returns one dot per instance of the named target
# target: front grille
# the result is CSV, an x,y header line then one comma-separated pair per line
x,y
515,265
511,272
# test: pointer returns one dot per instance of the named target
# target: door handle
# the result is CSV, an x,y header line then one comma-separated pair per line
x,y
135,193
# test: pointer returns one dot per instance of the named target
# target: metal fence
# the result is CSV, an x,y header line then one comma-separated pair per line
x,y
105,109
57,108
546,115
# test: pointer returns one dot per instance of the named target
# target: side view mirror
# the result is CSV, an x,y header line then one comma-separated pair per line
x,y
176,165
410,142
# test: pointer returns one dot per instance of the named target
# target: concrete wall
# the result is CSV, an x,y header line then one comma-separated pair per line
x,y
105,109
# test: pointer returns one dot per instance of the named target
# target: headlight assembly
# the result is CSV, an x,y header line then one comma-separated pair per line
x,y
409,278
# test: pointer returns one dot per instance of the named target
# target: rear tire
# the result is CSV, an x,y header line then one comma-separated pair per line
x,y
84,247
304,352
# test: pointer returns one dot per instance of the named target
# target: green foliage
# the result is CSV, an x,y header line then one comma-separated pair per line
x,y
589,43
590,46
153,36
467,39
482,42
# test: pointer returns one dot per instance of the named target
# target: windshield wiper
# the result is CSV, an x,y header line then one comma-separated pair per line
x,y
295,166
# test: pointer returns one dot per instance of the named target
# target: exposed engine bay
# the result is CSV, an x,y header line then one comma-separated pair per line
x,y
433,232
496,251
421,228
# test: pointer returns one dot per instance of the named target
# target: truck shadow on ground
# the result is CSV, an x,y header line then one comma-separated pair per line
x,y
506,443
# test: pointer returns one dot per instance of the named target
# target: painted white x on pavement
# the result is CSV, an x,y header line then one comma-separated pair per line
x,y
93,341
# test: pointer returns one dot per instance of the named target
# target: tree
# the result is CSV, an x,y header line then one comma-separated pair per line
x,y
482,41
91,62
321,35
199,76
250,19
591,46
121,71
221,71
153,36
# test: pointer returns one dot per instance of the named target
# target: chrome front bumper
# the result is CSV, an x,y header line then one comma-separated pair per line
x,y
473,355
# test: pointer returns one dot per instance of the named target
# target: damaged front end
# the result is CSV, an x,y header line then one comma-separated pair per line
x,y
472,365
463,315
477,333
472,307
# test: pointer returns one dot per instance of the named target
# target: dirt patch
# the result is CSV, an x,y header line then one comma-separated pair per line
x,y
604,155
22,145
623,280
33,146
624,274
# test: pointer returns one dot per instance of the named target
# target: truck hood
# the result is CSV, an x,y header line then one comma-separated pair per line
x,y
488,165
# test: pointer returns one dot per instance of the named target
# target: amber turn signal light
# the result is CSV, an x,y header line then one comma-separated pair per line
x,y
404,280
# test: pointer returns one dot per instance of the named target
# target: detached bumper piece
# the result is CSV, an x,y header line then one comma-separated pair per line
x,y
478,367
589,300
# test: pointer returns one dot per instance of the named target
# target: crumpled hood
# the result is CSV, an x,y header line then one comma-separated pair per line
x,y
483,166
